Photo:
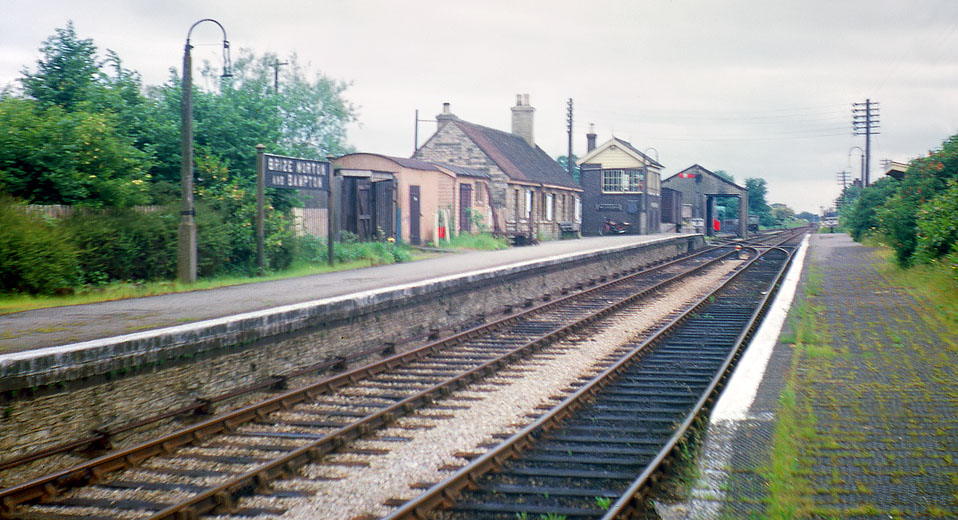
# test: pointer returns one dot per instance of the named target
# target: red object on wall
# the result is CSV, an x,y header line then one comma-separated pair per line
x,y
716,225
442,231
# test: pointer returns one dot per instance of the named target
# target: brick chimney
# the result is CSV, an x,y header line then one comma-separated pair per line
x,y
522,119
590,138
445,116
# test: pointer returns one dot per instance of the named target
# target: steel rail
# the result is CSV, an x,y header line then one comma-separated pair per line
x,y
94,470
102,438
632,500
222,498
445,493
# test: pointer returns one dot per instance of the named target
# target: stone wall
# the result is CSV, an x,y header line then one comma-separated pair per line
x,y
164,374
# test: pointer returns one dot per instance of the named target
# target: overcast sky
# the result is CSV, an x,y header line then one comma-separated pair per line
x,y
756,88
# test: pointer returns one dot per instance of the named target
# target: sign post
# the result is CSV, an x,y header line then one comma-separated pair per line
x,y
260,210
276,171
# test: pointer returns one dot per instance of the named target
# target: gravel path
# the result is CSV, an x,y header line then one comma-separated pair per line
x,y
468,421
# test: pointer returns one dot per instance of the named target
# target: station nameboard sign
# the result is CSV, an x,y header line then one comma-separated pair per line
x,y
289,172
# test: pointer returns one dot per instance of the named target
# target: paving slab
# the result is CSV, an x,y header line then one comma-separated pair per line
x,y
65,325
880,383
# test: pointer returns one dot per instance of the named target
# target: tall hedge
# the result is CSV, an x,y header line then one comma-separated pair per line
x,y
36,256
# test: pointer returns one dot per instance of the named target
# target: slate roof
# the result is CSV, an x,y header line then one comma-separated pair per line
x,y
516,158
463,171
414,164
705,171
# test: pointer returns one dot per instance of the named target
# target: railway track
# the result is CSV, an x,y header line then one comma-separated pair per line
x,y
302,425
205,468
597,453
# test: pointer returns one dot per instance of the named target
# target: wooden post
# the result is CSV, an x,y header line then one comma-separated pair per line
x,y
260,210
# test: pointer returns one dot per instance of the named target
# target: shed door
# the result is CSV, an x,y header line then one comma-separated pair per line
x,y
465,204
414,236
364,214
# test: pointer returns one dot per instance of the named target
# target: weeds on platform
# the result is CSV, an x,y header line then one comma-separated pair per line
x,y
477,242
881,375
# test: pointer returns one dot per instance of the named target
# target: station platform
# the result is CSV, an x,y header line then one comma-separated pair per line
x,y
71,324
362,307
853,394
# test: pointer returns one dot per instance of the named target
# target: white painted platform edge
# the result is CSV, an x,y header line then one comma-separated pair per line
x,y
739,394
201,326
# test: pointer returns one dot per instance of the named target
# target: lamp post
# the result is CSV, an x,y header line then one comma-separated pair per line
x,y
654,150
186,252
862,152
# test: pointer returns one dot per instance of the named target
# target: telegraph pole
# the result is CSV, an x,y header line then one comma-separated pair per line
x,y
569,155
843,181
276,65
416,131
865,122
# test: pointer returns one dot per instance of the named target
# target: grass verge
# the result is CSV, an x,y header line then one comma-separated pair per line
x,y
10,303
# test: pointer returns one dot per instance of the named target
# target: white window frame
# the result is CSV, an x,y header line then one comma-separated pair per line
x,y
620,180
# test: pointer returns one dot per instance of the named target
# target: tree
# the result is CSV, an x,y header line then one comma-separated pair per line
x,y
74,138
51,156
782,213
67,72
937,223
860,218
564,163
725,175
757,205
925,178
305,118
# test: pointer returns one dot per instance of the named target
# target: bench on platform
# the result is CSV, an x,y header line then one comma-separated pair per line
x,y
569,229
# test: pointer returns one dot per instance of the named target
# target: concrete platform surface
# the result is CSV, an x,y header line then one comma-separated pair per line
x,y
874,373
65,325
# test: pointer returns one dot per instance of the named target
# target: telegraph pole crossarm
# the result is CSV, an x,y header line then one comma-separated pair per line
x,y
865,122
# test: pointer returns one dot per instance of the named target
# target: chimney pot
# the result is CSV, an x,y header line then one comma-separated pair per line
x,y
445,116
590,138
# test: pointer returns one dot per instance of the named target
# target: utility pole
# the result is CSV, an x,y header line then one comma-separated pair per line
x,y
865,122
276,65
416,131
569,155
843,181
842,178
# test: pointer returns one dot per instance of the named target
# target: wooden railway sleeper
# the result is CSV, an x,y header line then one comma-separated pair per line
x,y
187,514
262,483
224,503
233,422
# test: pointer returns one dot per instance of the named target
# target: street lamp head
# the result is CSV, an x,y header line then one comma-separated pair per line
x,y
227,73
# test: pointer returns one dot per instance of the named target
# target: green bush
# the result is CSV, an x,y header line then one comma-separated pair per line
x,y
125,243
37,256
937,223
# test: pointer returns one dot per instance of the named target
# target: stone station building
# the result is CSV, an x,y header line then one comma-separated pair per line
x,y
530,194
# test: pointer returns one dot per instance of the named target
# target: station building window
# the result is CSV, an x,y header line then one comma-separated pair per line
x,y
622,181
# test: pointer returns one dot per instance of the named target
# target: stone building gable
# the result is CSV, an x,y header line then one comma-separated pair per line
x,y
451,145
